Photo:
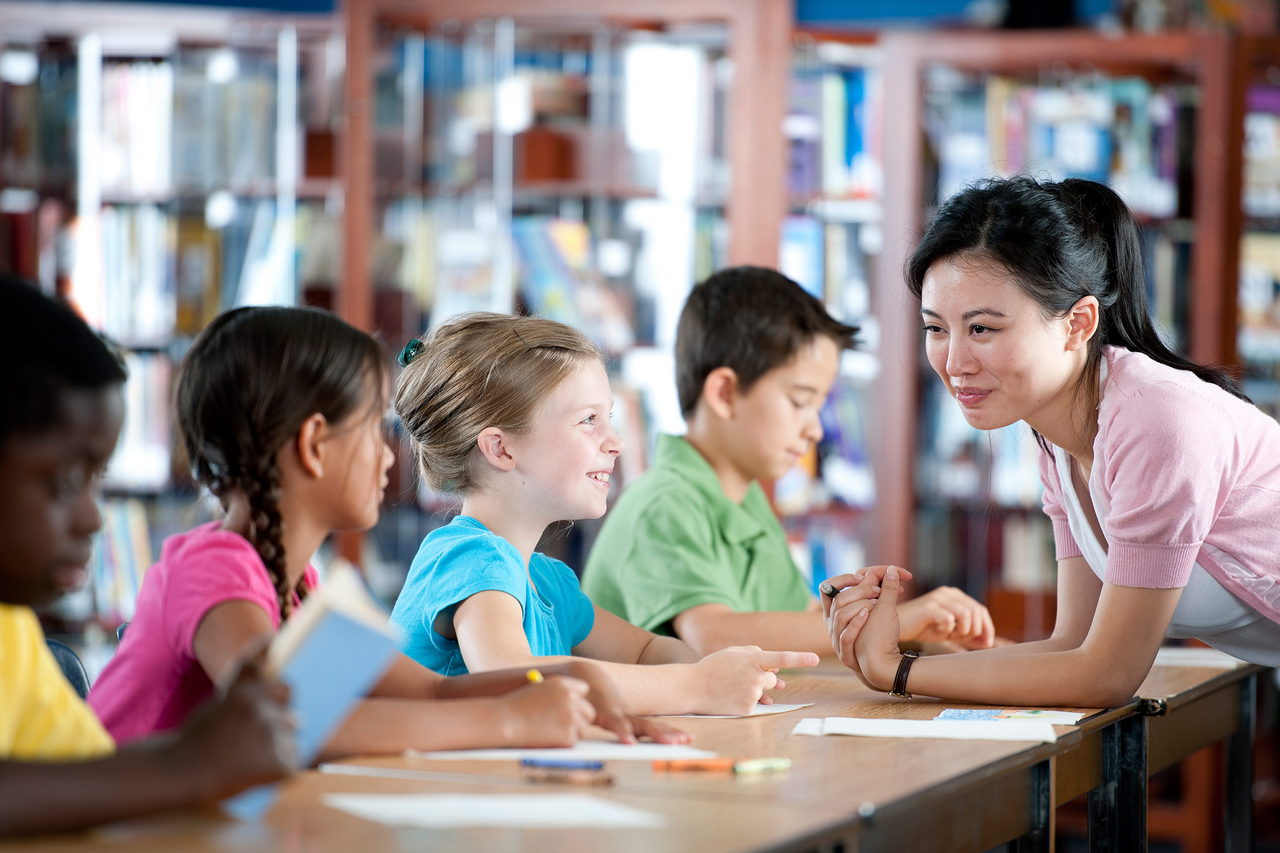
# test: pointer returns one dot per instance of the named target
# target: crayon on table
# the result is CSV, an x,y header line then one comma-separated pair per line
x,y
565,777
563,763
762,765
534,676
721,764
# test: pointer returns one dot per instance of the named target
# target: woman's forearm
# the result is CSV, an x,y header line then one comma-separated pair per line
x,y
1073,678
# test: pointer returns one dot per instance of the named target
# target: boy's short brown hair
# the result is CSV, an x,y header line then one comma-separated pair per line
x,y
749,319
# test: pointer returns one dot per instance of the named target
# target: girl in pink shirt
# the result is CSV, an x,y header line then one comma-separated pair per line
x,y
280,412
1161,479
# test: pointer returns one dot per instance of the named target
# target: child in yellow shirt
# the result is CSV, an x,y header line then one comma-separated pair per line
x,y
61,409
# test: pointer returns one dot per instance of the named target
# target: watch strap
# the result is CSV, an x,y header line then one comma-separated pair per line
x,y
900,680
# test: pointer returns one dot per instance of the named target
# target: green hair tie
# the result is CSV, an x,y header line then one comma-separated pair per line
x,y
410,352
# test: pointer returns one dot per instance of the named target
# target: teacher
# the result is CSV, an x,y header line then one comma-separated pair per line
x,y
1161,480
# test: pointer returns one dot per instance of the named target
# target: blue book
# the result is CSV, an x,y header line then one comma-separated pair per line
x,y
330,653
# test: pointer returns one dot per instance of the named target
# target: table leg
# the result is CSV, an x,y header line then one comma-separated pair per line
x,y
1238,815
1040,838
1118,807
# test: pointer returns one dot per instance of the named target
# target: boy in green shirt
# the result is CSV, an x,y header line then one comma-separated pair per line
x,y
692,548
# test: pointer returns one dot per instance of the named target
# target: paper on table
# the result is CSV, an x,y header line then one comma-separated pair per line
x,y
492,810
1057,718
757,711
1195,656
809,726
1030,730
598,750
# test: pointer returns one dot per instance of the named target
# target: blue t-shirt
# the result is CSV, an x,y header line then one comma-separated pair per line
x,y
463,558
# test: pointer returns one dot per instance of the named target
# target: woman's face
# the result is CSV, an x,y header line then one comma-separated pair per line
x,y
992,347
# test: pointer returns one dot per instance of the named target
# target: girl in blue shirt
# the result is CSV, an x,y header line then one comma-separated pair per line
x,y
512,414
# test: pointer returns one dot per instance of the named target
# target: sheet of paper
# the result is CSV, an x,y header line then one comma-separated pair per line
x,y
1030,730
598,750
1195,656
435,811
757,711
809,726
1057,718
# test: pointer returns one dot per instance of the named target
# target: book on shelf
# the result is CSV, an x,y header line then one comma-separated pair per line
x,y
120,560
1258,335
330,653
143,459
802,254
1262,152
833,133
558,281
137,128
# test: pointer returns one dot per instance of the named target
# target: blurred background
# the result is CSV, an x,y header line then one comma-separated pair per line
x,y
401,161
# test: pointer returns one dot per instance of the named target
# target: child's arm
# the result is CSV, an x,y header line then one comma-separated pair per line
x,y
241,740
490,633
549,714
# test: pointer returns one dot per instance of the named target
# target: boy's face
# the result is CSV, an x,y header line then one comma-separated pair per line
x,y
776,421
48,497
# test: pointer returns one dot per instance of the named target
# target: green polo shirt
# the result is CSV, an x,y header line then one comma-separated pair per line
x,y
674,540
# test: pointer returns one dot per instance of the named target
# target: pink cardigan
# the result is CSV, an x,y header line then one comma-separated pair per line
x,y
1179,464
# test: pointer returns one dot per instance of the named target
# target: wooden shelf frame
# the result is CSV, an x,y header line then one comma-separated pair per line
x,y
1217,64
759,46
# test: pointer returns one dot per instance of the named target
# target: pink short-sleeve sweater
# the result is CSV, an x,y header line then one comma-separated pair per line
x,y
154,681
1180,464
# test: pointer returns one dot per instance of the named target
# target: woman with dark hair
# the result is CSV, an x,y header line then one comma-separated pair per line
x,y
1161,479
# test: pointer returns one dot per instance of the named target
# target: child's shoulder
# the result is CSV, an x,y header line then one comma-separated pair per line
x,y
465,538
206,559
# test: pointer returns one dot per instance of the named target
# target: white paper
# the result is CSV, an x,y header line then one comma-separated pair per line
x,y
434,811
1195,656
809,726
1028,730
587,750
757,711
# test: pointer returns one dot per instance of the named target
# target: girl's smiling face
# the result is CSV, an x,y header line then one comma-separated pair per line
x,y
993,348
567,457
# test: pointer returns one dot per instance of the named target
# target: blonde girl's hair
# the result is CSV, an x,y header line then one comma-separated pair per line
x,y
478,371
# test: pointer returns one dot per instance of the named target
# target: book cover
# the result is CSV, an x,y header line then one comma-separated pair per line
x,y
330,653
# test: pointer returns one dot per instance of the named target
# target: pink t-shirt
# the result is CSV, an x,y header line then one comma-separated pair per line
x,y
1178,464
154,681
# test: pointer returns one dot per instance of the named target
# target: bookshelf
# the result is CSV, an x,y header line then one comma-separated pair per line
x,y
154,171
584,160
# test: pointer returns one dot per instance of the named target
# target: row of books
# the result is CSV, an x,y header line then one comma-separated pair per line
x,y
167,127
833,133
961,465
984,547
144,273
37,119
1124,131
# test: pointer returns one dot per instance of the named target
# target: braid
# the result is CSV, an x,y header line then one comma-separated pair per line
x,y
266,530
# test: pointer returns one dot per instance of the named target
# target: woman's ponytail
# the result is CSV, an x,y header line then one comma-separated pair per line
x,y
1104,220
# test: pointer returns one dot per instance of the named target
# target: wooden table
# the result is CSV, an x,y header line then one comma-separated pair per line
x,y
867,794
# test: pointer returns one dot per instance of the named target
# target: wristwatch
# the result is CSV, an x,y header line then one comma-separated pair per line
x,y
900,680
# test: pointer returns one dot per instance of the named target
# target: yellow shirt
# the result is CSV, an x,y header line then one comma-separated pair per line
x,y
41,716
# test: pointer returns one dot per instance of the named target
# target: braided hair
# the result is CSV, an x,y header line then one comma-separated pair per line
x,y
247,385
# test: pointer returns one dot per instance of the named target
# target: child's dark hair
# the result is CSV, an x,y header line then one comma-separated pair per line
x,y
749,319
47,350
1060,242
249,382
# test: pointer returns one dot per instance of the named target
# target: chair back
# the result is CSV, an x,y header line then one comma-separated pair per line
x,y
120,631
72,668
